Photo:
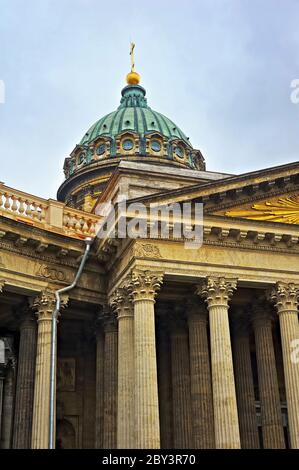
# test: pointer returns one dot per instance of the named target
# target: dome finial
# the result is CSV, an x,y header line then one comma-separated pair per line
x,y
133,78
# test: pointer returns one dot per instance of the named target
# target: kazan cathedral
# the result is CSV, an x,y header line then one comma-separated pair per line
x,y
139,342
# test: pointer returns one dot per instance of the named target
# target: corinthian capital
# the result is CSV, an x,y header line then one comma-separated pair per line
x,y
144,285
108,319
121,303
217,291
285,297
44,304
2,282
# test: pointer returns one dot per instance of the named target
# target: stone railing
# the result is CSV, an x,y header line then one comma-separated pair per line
x,y
48,214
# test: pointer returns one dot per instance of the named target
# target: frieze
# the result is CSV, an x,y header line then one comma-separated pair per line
x,y
51,273
146,250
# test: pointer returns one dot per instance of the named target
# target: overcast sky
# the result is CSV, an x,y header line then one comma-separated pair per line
x,y
220,69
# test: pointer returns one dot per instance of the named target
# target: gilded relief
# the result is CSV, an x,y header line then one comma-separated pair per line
x,y
284,209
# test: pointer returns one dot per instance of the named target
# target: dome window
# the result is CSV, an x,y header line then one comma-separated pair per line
x,y
128,144
81,158
155,145
127,123
179,151
153,123
104,126
101,149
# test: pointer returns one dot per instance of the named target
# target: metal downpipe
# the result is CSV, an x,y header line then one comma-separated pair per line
x,y
55,314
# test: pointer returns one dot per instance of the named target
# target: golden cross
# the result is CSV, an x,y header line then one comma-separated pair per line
x,y
132,57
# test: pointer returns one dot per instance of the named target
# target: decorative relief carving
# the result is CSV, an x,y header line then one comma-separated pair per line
x,y
144,285
66,374
217,291
121,302
285,297
146,250
53,274
284,210
45,303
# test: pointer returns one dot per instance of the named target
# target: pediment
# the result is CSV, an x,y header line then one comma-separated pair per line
x,y
269,195
283,209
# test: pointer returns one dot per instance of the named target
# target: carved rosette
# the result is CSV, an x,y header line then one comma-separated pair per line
x,y
45,303
144,285
217,291
285,297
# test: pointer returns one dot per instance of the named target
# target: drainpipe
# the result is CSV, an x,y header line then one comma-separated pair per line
x,y
55,314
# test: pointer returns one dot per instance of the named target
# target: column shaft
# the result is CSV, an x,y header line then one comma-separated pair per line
x,y
181,392
41,407
99,389
8,408
110,387
272,427
217,292
285,297
165,390
146,386
201,385
224,394
125,405
245,389
25,385
289,336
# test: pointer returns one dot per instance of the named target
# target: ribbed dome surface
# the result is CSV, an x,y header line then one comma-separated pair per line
x,y
133,114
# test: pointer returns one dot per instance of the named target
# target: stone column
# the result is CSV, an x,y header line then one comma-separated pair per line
x,y
99,430
181,391
110,381
164,383
8,406
200,373
2,378
217,292
44,304
272,426
244,381
144,286
285,297
125,395
25,383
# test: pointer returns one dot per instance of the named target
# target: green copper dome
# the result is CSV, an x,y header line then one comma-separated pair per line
x,y
135,115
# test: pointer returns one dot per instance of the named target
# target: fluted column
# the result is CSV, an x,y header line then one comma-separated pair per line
x,y
2,378
110,381
181,391
25,383
44,305
244,381
164,383
8,405
285,297
217,292
125,394
99,429
200,374
144,286
272,426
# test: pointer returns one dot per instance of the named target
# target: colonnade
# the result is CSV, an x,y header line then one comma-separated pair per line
x,y
197,392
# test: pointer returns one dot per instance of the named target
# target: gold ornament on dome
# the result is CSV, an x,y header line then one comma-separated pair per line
x,y
284,210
